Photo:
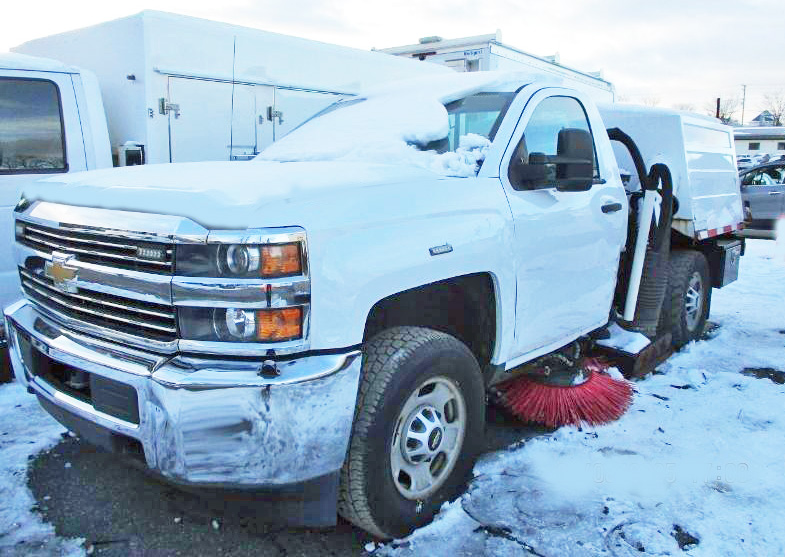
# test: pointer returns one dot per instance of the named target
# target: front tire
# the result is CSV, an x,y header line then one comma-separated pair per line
x,y
418,428
688,298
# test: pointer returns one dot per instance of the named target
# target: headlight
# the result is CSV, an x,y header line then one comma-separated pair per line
x,y
239,260
241,324
223,294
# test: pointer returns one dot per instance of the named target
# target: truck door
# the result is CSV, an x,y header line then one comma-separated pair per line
x,y
216,120
40,135
567,244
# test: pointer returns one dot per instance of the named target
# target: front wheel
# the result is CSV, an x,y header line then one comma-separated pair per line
x,y
688,298
418,426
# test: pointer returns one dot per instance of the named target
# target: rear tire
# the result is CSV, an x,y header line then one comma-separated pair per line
x,y
420,412
688,298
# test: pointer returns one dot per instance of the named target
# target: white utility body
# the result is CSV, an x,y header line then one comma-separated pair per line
x,y
331,314
701,156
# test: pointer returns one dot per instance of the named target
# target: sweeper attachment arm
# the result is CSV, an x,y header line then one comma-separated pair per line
x,y
569,387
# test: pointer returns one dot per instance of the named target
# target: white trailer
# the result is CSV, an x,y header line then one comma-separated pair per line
x,y
488,53
182,89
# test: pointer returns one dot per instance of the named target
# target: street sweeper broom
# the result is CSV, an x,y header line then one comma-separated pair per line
x,y
574,386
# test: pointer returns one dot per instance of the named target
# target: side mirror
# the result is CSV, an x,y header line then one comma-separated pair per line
x,y
534,171
574,160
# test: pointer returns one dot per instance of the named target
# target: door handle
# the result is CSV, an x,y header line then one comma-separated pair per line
x,y
775,193
611,207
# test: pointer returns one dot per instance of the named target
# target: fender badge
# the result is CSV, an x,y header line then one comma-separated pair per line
x,y
63,276
440,250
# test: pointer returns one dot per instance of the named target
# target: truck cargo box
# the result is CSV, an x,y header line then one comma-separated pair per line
x,y
702,159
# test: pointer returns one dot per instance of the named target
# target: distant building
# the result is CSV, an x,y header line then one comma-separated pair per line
x,y
488,53
765,118
753,140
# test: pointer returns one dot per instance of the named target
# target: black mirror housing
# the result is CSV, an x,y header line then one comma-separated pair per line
x,y
574,160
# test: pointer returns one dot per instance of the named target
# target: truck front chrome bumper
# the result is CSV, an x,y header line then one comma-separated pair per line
x,y
199,421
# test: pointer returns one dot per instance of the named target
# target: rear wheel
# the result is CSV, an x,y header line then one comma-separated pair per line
x,y
418,427
688,298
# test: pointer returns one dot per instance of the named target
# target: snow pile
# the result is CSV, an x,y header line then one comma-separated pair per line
x,y
25,431
466,159
388,124
695,466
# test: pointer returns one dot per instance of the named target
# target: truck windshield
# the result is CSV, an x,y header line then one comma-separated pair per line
x,y
448,138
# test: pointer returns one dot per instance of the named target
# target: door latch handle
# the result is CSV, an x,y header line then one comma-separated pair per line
x,y
775,193
611,207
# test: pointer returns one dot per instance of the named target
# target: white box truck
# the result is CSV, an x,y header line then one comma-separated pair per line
x,y
183,89
488,53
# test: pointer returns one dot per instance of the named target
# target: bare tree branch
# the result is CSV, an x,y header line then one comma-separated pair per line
x,y
686,107
775,104
728,107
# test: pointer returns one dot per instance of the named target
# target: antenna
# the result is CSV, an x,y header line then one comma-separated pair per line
x,y
231,116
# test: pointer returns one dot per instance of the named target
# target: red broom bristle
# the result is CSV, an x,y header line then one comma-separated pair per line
x,y
599,400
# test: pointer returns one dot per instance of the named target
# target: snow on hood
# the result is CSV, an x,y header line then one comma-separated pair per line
x,y
387,121
223,194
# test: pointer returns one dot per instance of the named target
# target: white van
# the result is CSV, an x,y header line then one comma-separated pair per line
x,y
51,122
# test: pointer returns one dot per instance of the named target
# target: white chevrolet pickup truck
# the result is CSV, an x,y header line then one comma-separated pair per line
x,y
327,319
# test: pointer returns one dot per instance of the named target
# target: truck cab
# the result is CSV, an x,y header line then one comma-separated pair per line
x,y
52,124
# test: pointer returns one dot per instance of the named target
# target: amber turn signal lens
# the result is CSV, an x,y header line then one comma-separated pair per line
x,y
281,260
279,324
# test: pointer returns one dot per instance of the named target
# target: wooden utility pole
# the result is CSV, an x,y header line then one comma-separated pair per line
x,y
743,102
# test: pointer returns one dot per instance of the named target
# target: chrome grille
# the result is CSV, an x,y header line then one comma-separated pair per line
x,y
155,321
98,247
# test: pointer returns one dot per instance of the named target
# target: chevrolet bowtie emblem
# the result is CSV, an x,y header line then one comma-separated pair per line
x,y
63,276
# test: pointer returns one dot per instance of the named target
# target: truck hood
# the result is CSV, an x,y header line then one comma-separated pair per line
x,y
226,195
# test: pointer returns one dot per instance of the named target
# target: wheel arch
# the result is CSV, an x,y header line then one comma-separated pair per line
x,y
466,307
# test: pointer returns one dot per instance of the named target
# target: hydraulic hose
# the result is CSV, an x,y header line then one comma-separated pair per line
x,y
648,274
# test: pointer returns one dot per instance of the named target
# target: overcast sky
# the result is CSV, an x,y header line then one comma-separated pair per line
x,y
664,52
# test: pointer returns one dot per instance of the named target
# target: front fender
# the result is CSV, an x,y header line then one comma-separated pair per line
x,y
371,255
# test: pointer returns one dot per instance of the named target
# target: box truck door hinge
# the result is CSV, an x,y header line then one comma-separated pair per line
x,y
165,106
272,114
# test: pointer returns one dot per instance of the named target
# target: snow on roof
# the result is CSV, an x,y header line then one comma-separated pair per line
x,y
13,61
760,132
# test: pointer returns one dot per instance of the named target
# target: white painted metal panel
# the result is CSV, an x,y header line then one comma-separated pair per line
x,y
700,154
566,249
217,121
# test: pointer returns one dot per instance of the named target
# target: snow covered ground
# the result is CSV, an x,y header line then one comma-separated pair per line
x,y
700,456
698,461
25,430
